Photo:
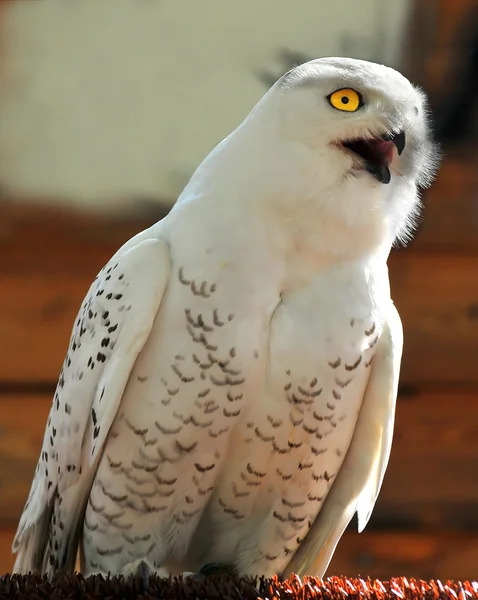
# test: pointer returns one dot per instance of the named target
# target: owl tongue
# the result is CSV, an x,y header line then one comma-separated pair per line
x,y
377,154
380,156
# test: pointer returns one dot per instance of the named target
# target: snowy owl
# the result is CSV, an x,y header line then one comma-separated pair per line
x,y
228,393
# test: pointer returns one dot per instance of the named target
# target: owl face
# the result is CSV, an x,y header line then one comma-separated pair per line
x,y
366,120
337,148
357,135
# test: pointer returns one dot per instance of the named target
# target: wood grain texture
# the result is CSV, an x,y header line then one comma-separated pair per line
x,y
446,21
376,554
22,424
46,240
431,480
449,217
385,554
37,315
437,298
6,557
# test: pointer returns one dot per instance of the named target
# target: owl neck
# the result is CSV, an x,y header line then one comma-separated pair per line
x,y
254,177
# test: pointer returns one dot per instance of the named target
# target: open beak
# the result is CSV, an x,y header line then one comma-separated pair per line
x,y
377,153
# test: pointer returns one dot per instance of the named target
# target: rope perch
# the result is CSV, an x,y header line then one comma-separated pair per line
x,y
74,587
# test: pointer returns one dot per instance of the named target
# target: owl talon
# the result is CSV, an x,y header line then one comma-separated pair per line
x,y
212,569
141,570
143,575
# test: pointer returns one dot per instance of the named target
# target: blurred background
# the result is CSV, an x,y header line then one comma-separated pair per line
x,y
107,107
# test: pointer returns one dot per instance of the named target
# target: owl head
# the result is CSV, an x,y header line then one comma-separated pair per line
x,y
338,144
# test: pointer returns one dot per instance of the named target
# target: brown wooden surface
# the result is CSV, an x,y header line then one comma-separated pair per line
x,y
6,558
449,219
46,240
441,24
437,298
384,554
375,554
22,423
431,479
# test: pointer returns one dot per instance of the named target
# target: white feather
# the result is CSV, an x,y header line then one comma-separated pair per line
x,y
228,404
139,272
358,484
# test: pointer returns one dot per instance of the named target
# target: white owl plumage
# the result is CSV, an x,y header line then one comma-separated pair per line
x,y
229,390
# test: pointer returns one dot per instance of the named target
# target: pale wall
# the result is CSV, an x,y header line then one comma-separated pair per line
x,y
103,101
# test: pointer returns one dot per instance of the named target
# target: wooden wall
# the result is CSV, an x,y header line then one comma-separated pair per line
x,y
425,523
426,520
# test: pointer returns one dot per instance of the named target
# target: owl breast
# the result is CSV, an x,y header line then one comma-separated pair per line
x,y
295,428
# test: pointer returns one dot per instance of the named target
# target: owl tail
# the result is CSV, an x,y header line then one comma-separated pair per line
x,y
49,543
30,545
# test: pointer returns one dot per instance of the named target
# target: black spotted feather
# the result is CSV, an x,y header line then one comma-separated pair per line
x,y
111,328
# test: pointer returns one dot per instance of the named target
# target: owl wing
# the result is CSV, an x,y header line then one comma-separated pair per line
x,y
359,480
111,328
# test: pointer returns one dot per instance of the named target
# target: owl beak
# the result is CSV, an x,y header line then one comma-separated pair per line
x,y
377,153
399,140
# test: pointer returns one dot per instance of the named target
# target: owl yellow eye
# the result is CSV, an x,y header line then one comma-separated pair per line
x,y
346,99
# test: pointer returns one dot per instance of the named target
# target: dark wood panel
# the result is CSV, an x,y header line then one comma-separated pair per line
x,y
6,557
22,424
449,217
46,240
437,298
383,555
37,313
431,480
442,23
380,555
